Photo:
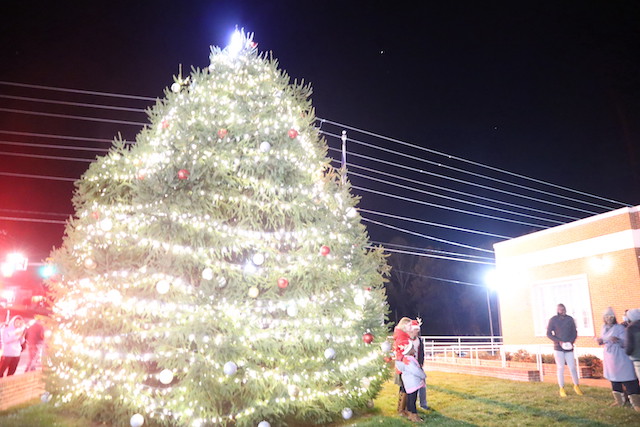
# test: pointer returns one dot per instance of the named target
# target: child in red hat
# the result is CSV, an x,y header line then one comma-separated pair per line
x,y
412,378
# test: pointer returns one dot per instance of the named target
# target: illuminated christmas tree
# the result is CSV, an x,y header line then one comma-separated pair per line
x,y
216,271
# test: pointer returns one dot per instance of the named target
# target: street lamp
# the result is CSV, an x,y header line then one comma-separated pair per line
x,y
493,283
14,262
490,316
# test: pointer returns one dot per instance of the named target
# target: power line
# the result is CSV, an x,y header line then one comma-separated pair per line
x,y
449,156
45,221
457,282
478,175
47,135
421,202
426,184
437,175
85,92
425,236
41,156
45,177
34,212
466,202
436,256
58,147
74,104
68,116
429,250
435,224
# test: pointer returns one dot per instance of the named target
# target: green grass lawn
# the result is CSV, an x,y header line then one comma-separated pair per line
x,y
457,400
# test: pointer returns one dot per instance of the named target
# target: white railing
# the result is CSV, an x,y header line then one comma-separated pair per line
x,y
460,344
473,350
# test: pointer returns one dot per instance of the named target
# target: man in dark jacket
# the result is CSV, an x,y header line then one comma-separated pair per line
x,y
563,332
633,339
414,336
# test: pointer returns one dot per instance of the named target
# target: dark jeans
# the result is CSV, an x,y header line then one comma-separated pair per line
x,y
411,402
9,364
632,386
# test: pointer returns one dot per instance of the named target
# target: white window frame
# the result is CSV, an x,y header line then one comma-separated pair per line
x,y
573,292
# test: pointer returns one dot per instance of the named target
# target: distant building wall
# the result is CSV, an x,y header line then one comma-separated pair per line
x,y
588,265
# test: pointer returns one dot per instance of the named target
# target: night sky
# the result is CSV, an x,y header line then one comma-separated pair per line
x,y
543,89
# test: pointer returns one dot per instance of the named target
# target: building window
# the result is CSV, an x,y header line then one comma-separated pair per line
x,y
573,292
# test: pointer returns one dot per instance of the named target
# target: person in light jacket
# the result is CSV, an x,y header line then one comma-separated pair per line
x,y
412,378
12,339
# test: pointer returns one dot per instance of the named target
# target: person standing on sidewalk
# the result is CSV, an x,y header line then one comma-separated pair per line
x,y
563,332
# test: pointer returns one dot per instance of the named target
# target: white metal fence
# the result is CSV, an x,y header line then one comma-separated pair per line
x,y
474,350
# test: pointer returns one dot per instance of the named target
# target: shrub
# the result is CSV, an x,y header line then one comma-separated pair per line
x,y
521,356
592,361
548,358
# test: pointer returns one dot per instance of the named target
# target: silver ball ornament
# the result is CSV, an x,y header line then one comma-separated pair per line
x,y
136,420
230,368
330,353
347,413
265,146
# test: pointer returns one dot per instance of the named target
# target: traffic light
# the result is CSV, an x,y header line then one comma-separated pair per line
x,y
47,270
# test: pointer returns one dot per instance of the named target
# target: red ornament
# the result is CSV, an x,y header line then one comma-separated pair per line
x,y
368,288
222,133
165,124
95,214
325,250
141,175
293,133
367,338
254,45
387,359
283,283
183,174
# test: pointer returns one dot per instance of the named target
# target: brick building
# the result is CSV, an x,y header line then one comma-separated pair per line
x,y
588,265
